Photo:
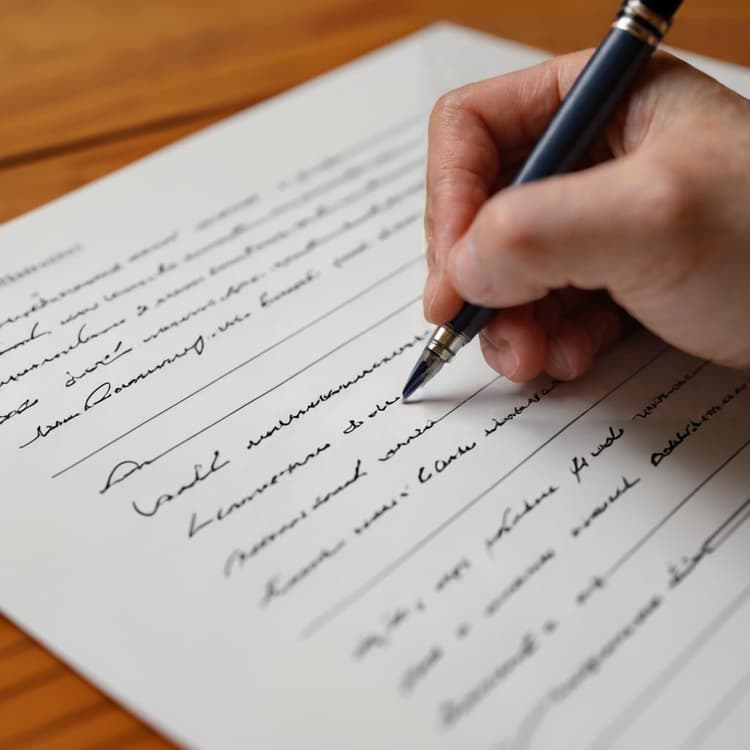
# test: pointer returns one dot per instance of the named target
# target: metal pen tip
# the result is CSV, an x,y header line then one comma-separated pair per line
x,y
427,367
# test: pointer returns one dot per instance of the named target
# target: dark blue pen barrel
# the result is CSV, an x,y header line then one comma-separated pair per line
x,y
580,119
471,319
588,106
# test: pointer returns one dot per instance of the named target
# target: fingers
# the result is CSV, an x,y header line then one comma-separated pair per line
x,y
560,335
599,228
476,135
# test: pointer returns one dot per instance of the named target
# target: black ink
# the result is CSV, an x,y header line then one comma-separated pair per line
x,y
240,205
43,432
79,313
275,589
627,485
659,399
33,336
353,425
695,424
108,359
596,584
356,476
82,339
105,391
159,245
510,519
612,436
379,513
266,299
579,464
179,290
454,575
417,673
162,268
225,512
122,471
323,397
686,566
416,434
380,408
518,582
24,407
42,302
179,321
199,475
454,710
521,408
241,556
226,325
439,465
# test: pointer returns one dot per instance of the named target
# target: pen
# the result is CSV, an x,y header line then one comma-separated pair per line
x,y
636,32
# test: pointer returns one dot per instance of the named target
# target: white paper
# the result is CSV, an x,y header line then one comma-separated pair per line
x,y
224,517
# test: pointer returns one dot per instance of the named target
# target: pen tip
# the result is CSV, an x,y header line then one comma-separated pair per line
x,y
428,364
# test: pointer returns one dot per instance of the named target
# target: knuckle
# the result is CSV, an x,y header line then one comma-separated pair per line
x,y
511,231
672,198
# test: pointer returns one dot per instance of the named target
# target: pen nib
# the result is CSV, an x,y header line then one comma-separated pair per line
x,y
427,367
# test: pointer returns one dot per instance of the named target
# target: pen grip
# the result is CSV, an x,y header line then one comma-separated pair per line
x,y
471,319
581,117
588,106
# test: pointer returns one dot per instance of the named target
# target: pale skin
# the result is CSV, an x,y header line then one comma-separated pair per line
x,y
655,228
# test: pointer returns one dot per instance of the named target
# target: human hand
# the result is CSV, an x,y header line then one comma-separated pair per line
x,y
657,227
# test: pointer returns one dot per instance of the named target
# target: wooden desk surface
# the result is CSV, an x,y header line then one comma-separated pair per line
x,y
89,86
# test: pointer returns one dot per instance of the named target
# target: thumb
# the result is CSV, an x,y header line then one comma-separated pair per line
x,y
604,227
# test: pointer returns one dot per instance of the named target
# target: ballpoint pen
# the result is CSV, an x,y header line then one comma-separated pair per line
x,y
636,32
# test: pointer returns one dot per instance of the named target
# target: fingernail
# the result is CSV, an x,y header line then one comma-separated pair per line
x,y
558,360
430,290
430,253
467,271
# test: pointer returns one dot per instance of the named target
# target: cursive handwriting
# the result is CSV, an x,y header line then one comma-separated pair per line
x,y
225,512
33,336
518,582
267,299
275,588
521,408
679,572
439,465
82,338
199,475
695,424
107,359
660,398
626,486
122,471
105,391
453,710
356,476
25,405
323,397
579,463
43,432
511,519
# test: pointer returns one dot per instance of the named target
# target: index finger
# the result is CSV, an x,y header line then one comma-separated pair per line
x,y
475,131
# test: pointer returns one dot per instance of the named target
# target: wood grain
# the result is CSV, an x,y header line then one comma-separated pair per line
x,y
89,86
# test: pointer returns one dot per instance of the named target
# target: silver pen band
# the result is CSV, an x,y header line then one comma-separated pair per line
x,y
445,342
642,22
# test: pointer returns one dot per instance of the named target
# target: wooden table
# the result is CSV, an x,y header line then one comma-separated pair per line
x,y
90,85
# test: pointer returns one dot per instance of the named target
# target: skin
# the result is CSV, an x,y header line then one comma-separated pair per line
x,y
654,229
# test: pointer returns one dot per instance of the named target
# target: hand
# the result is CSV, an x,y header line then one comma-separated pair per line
x,y
657,226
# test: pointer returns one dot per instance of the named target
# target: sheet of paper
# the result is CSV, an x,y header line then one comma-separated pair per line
x,y
215,506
